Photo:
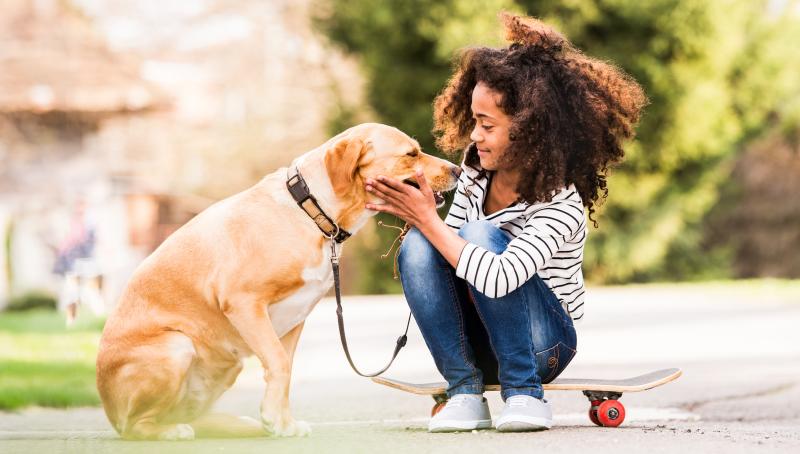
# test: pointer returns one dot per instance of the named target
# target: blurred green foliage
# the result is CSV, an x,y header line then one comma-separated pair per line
x,y
719,74
31,300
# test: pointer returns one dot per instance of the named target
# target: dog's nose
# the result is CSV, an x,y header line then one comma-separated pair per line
x,y
456,170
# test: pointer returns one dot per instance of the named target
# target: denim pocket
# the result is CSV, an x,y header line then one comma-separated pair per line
x,y
551,362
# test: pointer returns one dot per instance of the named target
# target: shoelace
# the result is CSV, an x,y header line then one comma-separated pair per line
x,y
458,400
520,400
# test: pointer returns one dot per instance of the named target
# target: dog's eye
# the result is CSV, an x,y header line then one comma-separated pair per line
x,y
412,153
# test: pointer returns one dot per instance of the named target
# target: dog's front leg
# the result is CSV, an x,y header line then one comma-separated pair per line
x,y
250,317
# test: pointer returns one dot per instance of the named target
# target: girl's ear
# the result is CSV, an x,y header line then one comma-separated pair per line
x,y
342,161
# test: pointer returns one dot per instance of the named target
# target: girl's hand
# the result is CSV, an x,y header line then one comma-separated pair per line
x,y
415,206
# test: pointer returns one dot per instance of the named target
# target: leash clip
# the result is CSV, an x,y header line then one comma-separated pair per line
x,y
334,252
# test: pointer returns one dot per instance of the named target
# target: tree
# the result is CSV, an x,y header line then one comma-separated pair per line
x,y
716,72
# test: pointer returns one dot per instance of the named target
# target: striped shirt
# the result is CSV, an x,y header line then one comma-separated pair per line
x,y
546,239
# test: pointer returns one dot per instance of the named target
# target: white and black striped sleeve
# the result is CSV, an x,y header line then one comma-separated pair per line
x,y
457,215
545,232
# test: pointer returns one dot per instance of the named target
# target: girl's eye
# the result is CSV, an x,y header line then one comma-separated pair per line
x,y
488,127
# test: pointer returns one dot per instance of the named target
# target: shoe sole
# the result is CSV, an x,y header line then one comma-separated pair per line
x,y
460,426
521,424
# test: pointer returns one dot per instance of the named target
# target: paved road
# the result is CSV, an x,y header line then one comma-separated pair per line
x,y
740,392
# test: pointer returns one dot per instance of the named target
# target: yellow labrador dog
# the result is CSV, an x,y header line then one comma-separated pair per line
x,y
240,279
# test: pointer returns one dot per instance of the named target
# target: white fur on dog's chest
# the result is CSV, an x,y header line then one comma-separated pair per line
x,y
291,311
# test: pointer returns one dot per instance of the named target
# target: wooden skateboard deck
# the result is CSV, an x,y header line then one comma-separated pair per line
x,y
632,384
605,410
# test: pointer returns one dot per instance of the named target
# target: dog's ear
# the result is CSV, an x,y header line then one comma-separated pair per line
x,y
342,161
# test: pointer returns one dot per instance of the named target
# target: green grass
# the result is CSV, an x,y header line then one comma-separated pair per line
x,y
55,384
47,321
43,363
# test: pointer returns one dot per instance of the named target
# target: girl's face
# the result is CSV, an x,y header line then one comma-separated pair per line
x,y
491,132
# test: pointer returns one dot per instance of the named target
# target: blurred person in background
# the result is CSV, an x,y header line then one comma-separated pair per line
x,y
497,287
76,263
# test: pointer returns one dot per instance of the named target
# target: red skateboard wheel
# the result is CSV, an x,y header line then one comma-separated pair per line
x,y
593,412
611,413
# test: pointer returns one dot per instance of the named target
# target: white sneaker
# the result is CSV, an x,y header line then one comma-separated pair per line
x,y
524,413
461,413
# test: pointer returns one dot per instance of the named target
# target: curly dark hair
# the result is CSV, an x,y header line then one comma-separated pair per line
x,y
569,113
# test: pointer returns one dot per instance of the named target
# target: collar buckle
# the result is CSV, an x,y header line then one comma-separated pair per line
x,y
298,188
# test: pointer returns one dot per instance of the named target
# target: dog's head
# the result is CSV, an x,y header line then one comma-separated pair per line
x,y
373,149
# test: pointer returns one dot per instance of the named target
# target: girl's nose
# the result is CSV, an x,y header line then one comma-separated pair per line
x,y
475,136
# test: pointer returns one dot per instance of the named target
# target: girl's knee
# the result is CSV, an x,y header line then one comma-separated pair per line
x,y
484,234
416,251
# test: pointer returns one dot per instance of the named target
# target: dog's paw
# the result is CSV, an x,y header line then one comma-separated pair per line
x,y
300,429
286,428
178,432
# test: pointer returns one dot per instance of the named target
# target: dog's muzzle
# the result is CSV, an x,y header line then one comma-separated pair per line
x,y
437,196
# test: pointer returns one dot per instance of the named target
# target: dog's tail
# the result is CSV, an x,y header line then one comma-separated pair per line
x,y
218,425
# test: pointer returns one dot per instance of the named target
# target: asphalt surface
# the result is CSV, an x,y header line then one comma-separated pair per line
x,y
739,350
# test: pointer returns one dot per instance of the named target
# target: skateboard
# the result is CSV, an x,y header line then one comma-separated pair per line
x,y
606,410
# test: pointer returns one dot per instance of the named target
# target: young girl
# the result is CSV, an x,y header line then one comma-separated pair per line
x,y
496,286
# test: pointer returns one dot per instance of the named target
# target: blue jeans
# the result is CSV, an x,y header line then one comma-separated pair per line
x,y
519,341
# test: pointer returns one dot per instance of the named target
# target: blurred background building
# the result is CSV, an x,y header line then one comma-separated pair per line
x,y
145,113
